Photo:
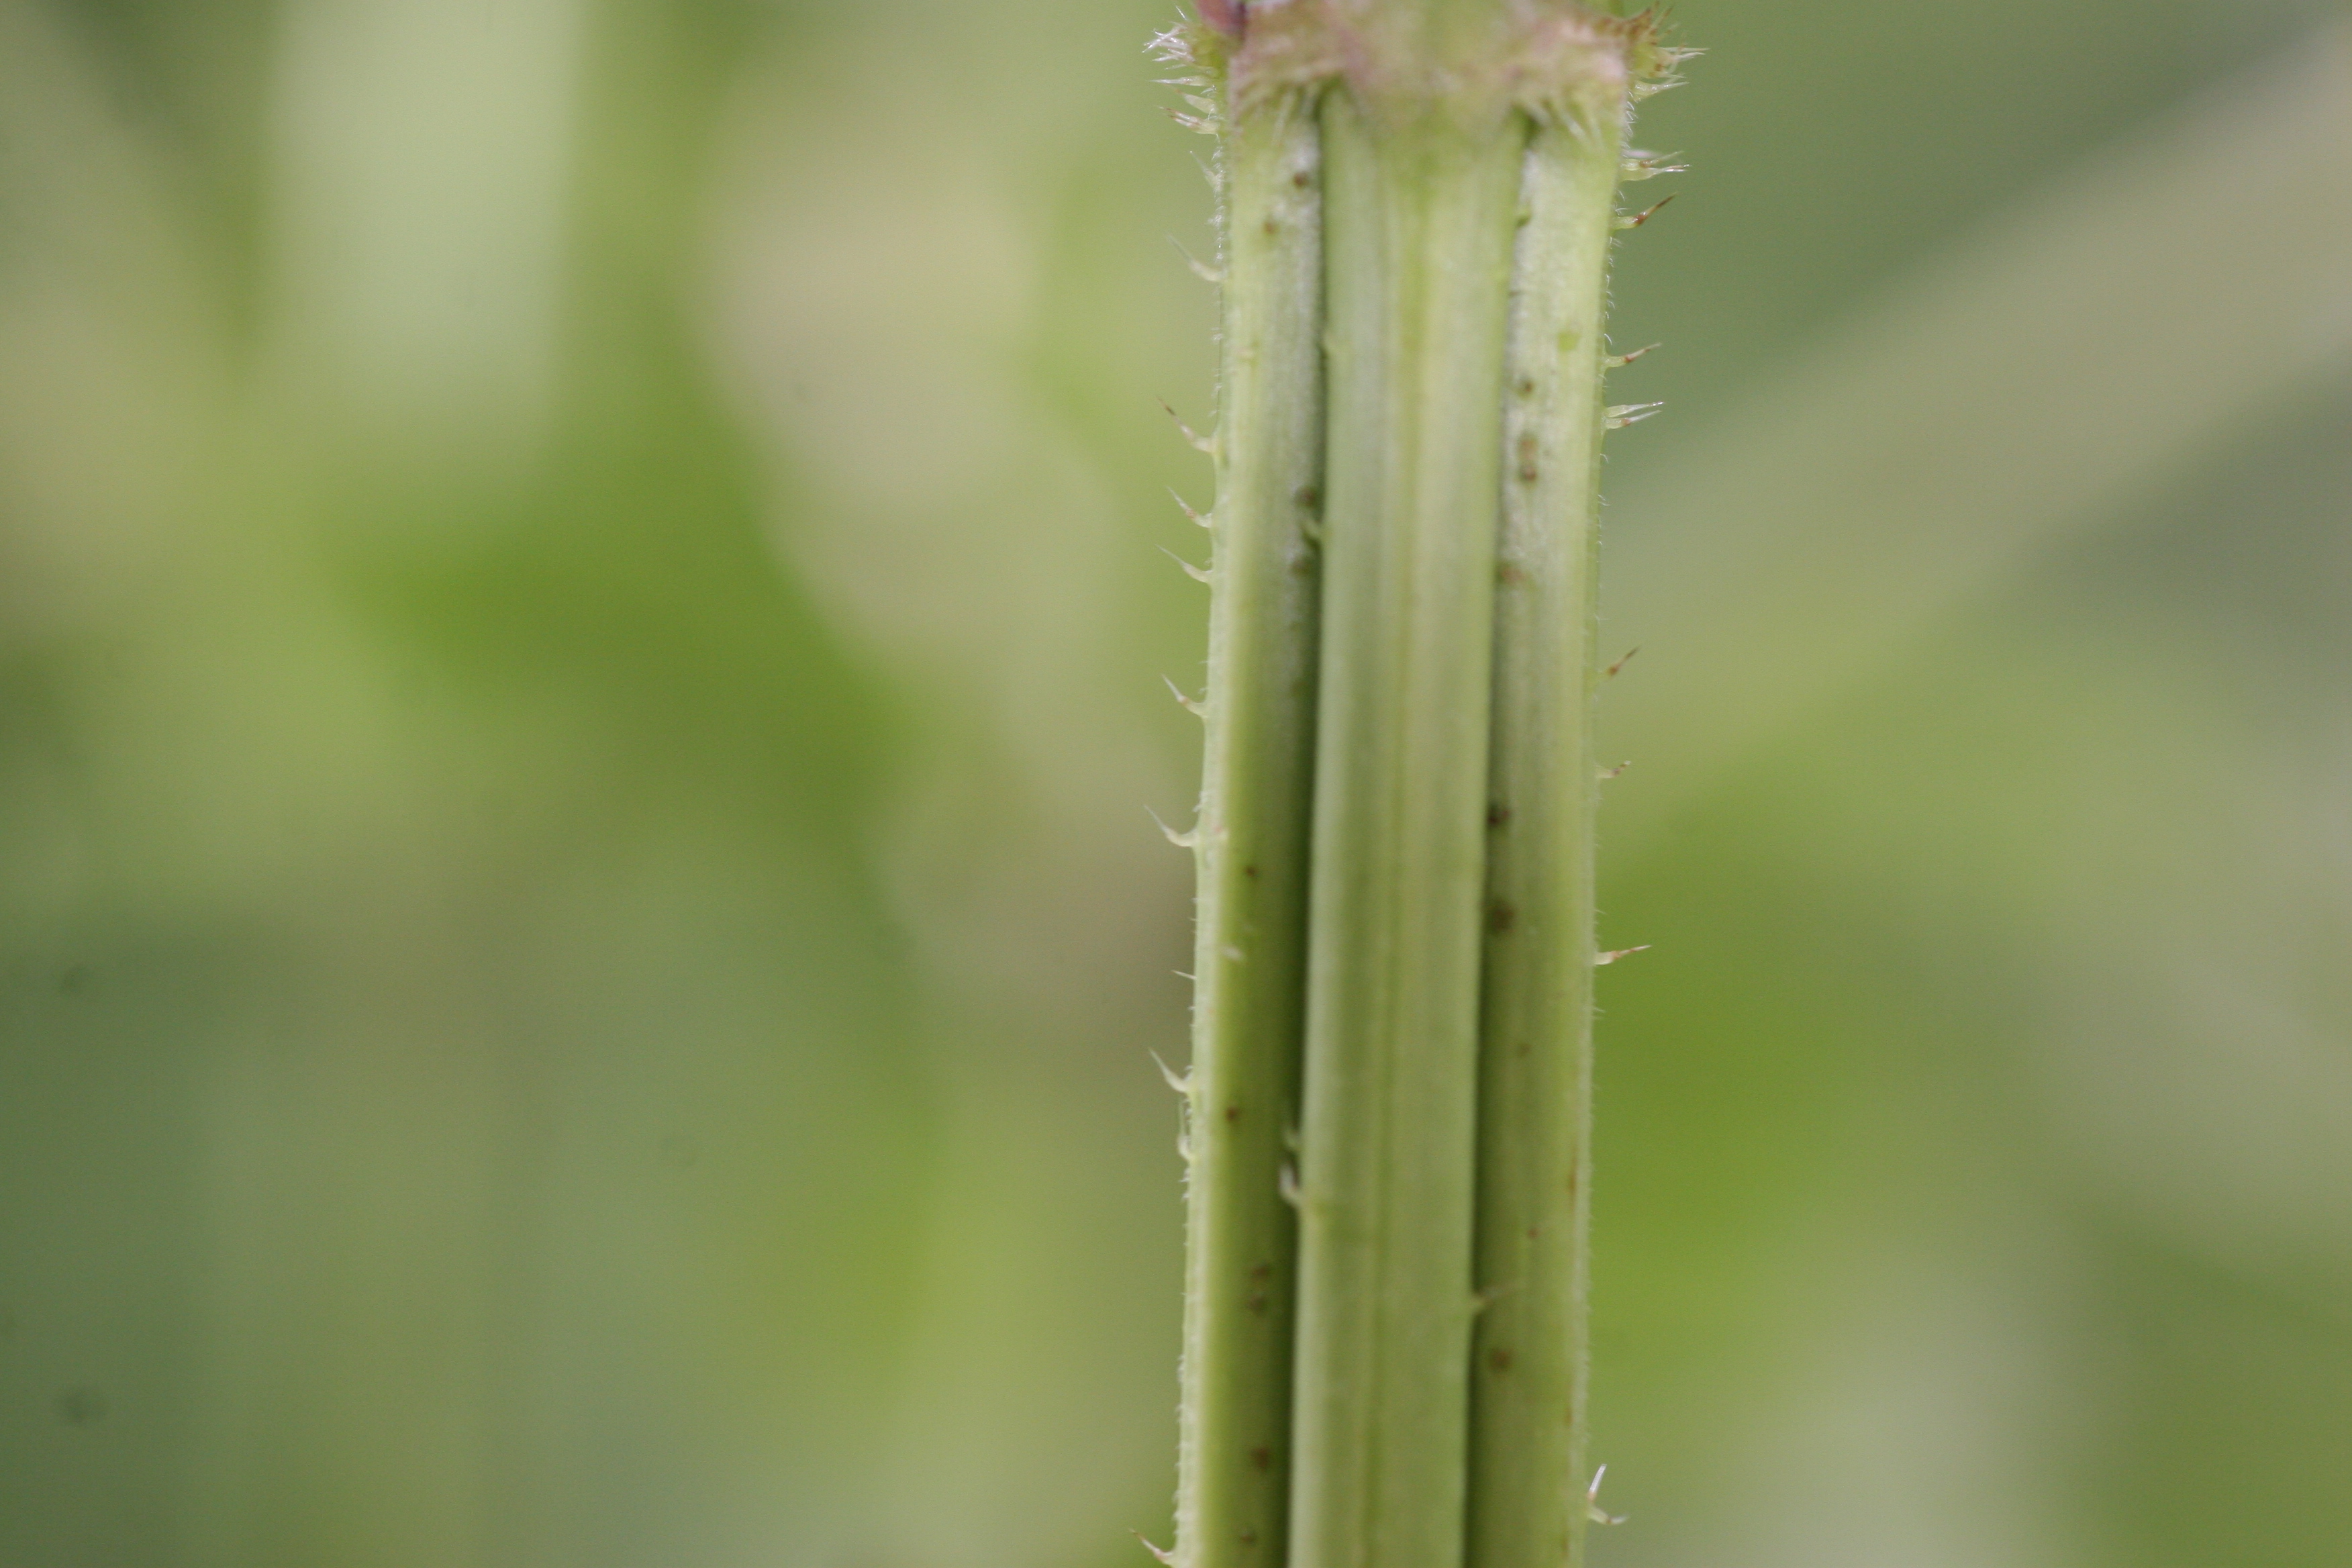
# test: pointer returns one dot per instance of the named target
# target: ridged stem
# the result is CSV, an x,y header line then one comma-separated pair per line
x,y
1250,961
1396,830
1527,1436
1420,215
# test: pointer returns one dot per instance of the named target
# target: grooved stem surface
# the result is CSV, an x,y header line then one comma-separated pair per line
x,y
1527,1505
1420,218
1249,1003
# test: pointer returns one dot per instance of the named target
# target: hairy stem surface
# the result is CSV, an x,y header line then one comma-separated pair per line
x,y
1526,1507
1250,960
1395,950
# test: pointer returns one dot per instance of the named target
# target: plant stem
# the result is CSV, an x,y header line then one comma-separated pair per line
x,y
1252,842
1526,1507
1420,214
1395,837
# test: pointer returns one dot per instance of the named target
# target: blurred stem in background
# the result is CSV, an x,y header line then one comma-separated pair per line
x,y
1467,157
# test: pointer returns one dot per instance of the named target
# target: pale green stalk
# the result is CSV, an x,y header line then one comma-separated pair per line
x,y
1429,931
1527,1434
1420,214
1252,841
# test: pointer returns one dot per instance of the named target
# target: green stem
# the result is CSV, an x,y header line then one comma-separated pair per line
x,y
1527,1470
1420,214
1252,841
1395,836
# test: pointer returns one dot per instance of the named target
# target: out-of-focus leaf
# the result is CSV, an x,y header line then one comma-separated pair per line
x,y
2024,387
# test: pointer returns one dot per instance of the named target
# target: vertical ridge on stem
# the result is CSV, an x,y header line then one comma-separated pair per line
x,y
1396,833
1420,213
1526,1507
1242,1095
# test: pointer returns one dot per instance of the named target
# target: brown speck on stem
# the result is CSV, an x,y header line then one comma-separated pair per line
x,y
1227,16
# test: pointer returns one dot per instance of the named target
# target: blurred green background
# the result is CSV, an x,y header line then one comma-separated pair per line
x,y
581,618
